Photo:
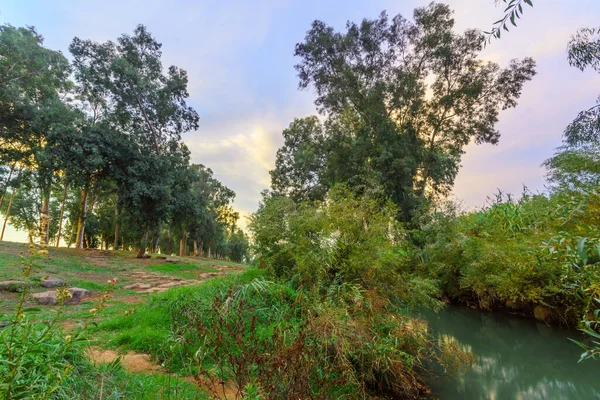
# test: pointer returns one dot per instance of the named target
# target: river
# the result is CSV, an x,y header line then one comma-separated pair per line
x,y
518,358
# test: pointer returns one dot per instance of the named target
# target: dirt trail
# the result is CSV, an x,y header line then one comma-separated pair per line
x,y
131,361
141,363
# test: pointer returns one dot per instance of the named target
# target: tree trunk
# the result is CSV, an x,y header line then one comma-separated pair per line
x,y
45,221
5,188
195,248
12,196
82,216
208,251
116,243
60,218
181,246
142,250
70,242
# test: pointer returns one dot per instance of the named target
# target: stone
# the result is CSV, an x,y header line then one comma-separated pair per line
x,y
168,285
208,275
12,286
172,260
542,313
50,298
52,283
133,286
78,294
46,298
143,286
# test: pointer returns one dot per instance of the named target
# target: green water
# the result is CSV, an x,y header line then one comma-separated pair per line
x,y
518,358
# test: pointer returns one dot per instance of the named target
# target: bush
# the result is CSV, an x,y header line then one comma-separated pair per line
x,y
347,238
539,250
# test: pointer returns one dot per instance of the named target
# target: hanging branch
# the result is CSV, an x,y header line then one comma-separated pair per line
x,y
512,12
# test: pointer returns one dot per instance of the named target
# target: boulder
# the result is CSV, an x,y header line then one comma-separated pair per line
x,y
52,283
50,298
78,294
12,286
46,298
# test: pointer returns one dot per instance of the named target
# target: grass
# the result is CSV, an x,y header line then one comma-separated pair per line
x,y
91,269
113,382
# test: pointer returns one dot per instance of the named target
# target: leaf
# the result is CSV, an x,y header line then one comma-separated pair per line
x,y
528,2
32,309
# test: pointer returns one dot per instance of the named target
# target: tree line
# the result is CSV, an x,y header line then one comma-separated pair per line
x,y
91,150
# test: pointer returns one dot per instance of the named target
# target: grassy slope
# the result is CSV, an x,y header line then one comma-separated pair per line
x,y
91,269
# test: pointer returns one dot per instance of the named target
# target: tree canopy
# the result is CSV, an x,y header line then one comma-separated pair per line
x,y
400,100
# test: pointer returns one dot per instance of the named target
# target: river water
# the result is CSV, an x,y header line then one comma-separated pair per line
x,y
517,358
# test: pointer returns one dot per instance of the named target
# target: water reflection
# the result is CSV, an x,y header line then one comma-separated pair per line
x,y
518,358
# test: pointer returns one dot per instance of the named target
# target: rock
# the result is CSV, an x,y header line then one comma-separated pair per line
x,y
172,260
154,290
46,298
143,286
133,286
50,298
542,313
78,294
52,283
12,286
168,285
208,275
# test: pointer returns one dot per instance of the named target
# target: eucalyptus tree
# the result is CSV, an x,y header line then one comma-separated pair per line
x,y
401,99
576,164
33,83
148,107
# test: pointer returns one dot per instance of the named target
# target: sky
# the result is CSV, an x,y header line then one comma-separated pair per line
x,y
240,62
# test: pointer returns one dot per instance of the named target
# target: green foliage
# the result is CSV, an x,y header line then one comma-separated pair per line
x,y
36,357
402,99
512,12
539,250
345,238
252,335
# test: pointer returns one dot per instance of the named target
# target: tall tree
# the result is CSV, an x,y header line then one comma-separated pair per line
x,y
33,80
405,98
149,108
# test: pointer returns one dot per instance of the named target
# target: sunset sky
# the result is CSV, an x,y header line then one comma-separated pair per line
x,y
239,57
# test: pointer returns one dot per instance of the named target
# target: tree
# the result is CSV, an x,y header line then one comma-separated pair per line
x,y
33,80
576,163
237,246
300,161
126,83
402,100
583,53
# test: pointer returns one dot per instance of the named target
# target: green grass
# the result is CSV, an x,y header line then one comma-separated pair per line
x,y
116,383
148,328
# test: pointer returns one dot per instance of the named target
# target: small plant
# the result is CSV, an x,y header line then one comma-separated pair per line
x,y
36,356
